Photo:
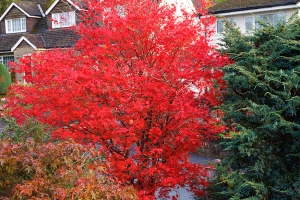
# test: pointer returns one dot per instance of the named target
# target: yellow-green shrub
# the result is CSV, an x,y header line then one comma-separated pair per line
x,y
46,169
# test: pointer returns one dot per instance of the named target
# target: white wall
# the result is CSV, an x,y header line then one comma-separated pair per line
x,y
239,18
185,4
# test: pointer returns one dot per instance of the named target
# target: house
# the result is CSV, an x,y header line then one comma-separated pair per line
x,y
31,26
245,14
188,5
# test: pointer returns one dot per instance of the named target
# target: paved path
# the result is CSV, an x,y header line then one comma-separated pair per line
x,y
183,193
2,125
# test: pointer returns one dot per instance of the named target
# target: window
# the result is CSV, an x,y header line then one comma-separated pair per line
x,y
64,19
5,60
278,18
249,23
221,23
15,25
121,11
272,19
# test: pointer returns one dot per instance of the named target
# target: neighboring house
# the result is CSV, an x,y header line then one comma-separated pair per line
x,y
246,13
188,5
26,28
29,26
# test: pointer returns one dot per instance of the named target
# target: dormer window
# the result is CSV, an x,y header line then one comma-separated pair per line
x,y
15,25
64,19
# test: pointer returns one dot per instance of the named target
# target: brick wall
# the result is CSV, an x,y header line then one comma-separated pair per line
x,y
20,51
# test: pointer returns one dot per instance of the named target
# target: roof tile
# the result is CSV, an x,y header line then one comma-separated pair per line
x,y
30,7
8,41
60,38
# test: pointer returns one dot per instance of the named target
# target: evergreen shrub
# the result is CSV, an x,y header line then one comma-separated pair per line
x,y
263,108
5,79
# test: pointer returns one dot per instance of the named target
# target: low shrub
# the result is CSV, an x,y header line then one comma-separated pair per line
x,y
5,79
32,166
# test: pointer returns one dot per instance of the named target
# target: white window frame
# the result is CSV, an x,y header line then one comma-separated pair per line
x,y
272,15
255,24
220,24
9,25
252,24
2,60
59,20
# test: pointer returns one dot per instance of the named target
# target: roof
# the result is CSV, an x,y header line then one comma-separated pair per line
x,y
38,1
56,38
40,26
30,7
40,36
10,40
59,38
197,4
240,5
34,40
75,3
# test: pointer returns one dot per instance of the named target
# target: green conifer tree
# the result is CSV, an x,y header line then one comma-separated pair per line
x,y
3,5
262,110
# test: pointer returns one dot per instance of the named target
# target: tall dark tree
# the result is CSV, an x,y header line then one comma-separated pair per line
x,y
3,5
262,109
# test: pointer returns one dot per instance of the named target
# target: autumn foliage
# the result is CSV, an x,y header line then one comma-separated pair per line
x,y
35,167
140,83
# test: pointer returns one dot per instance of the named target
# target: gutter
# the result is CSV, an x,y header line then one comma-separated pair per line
x,y
6,52
249,8
253,10
41,10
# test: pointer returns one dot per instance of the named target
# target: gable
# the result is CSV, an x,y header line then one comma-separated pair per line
x,y
23,42
62,6
29,10
32,8
14,13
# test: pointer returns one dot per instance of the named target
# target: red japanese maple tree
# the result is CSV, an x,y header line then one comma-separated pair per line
x,y
140,83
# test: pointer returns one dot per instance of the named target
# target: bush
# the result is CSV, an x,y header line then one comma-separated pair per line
x,y
32,166
5,79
